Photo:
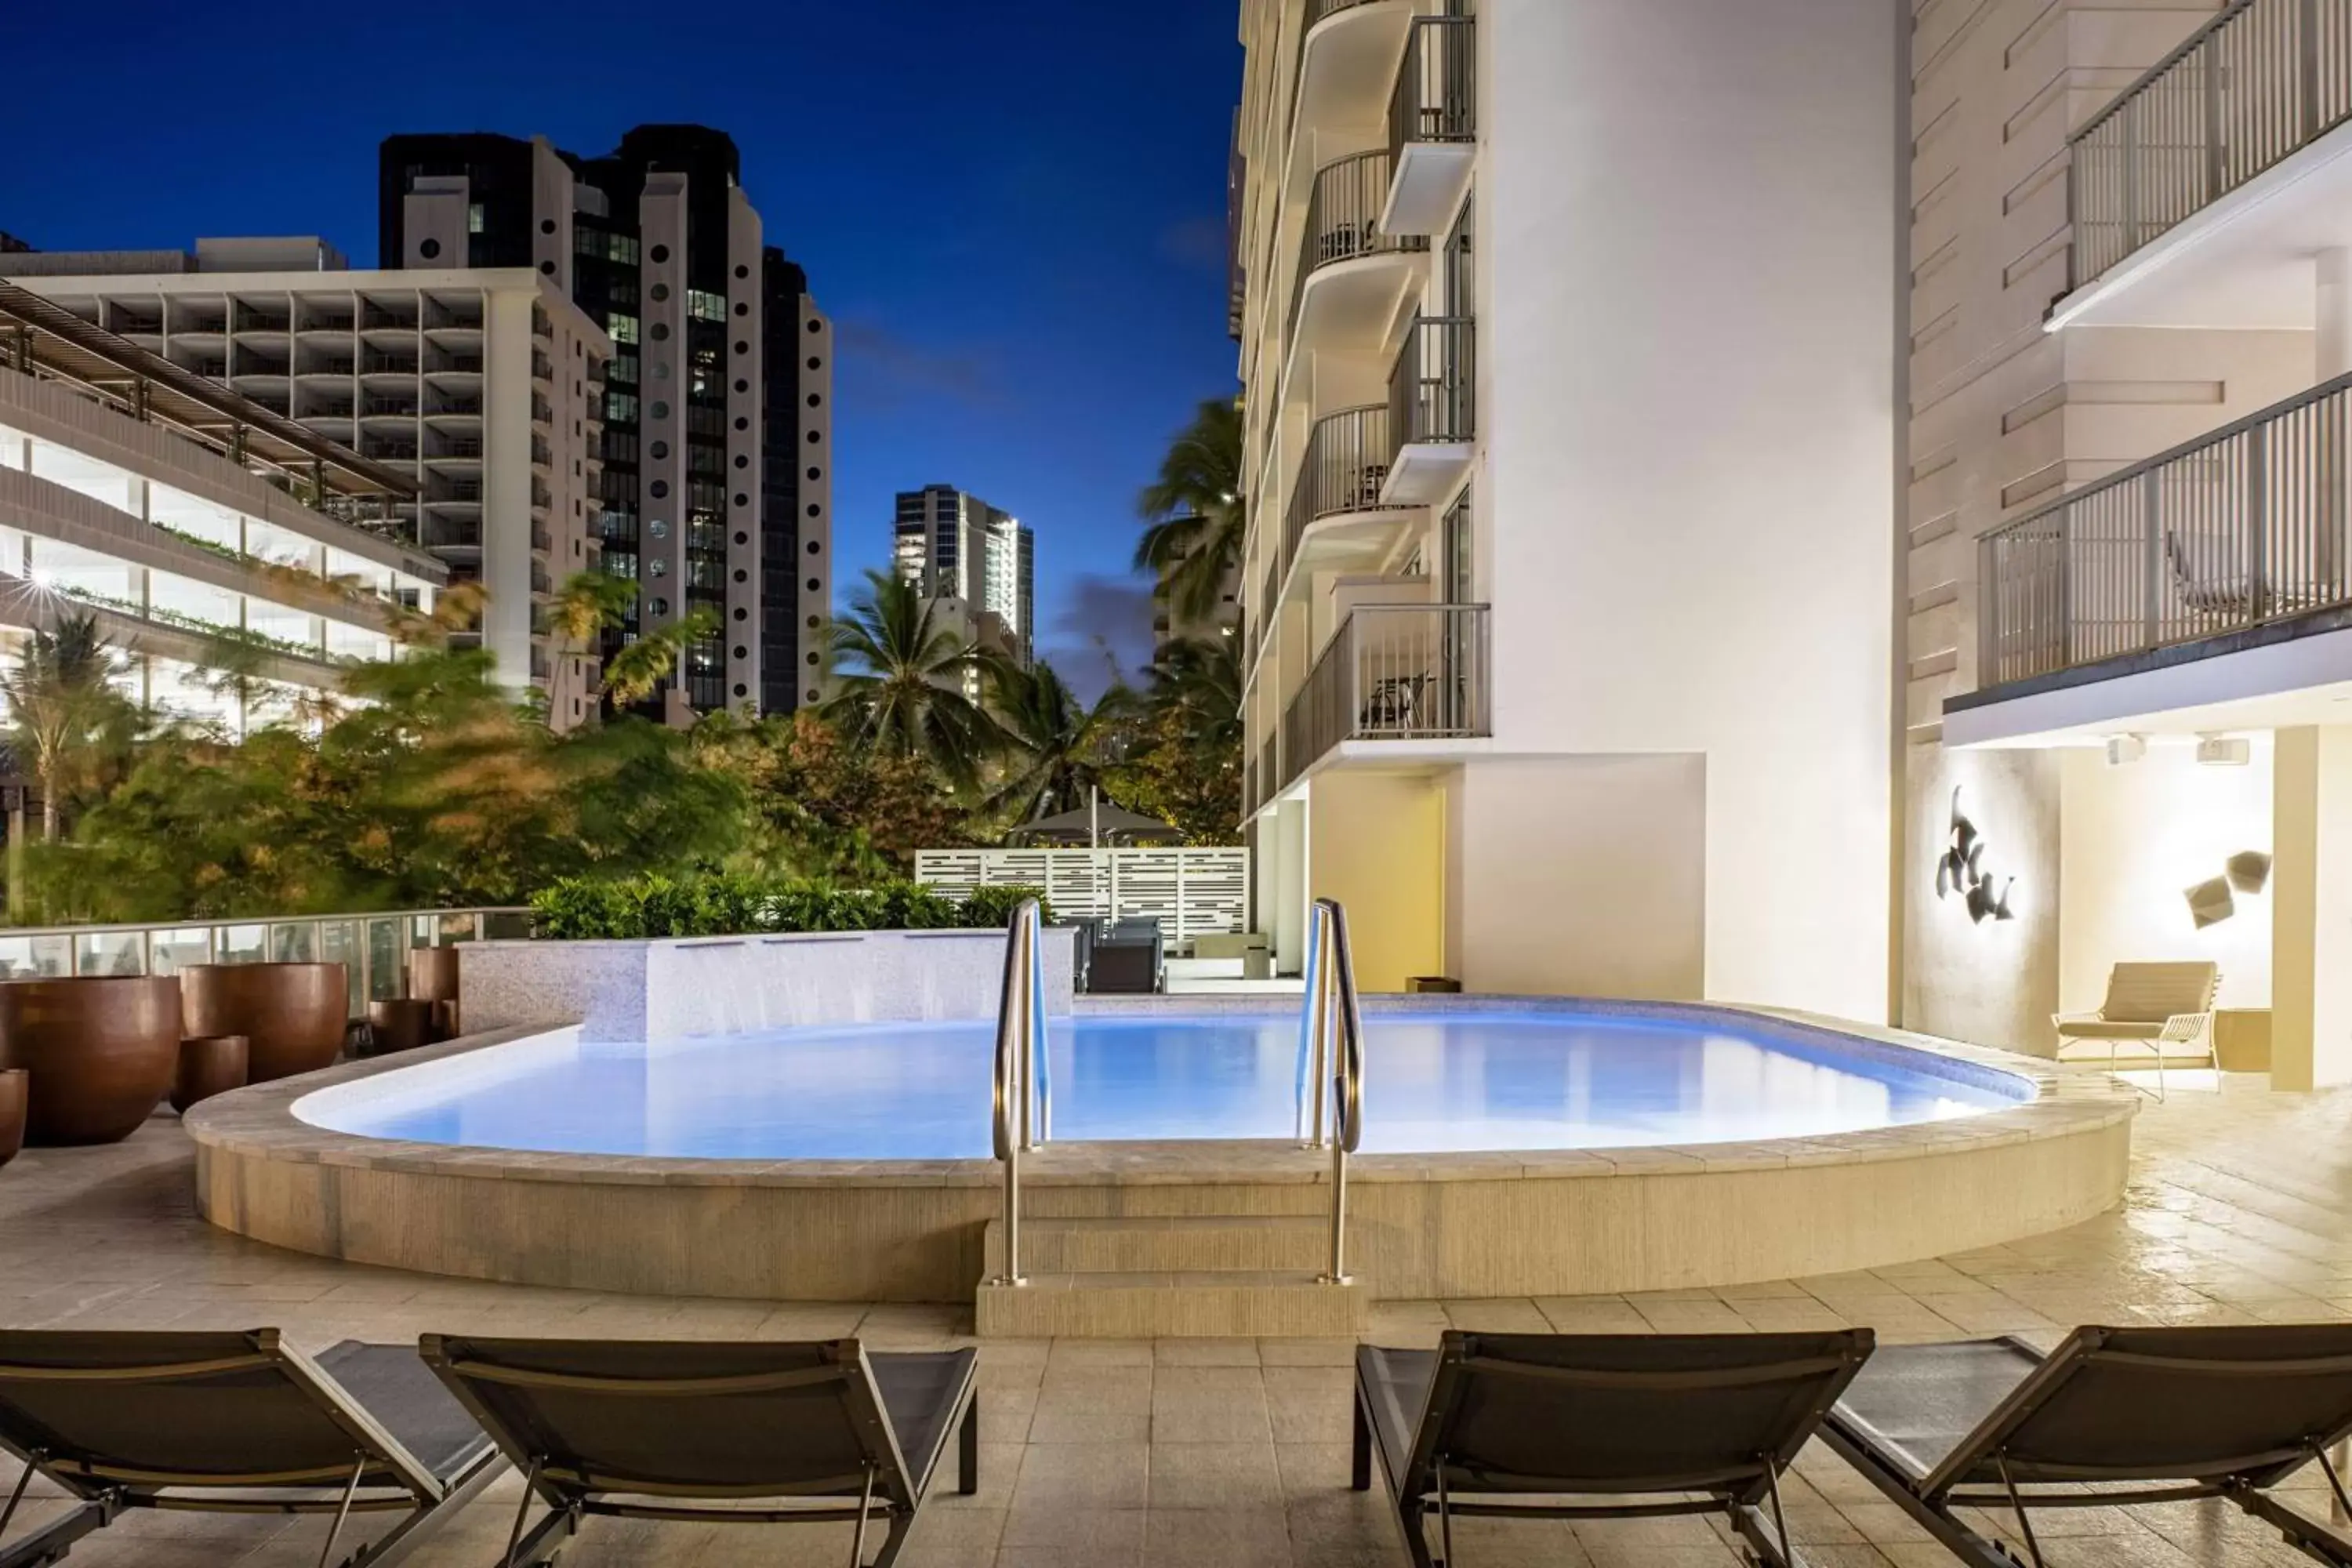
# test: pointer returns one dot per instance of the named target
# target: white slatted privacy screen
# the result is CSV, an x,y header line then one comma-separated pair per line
x,y
1192,892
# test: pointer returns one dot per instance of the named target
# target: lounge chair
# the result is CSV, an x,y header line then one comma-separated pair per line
x,y
126,1420
821,1431
1461,1430
2152,1007
2225,1412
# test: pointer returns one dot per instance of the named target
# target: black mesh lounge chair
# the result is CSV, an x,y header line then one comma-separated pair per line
x,y
1993,1424
1630,1419
648,1429
181,1420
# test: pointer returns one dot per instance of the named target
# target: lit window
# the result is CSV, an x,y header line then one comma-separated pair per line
x,y
474,218
708,306
622,328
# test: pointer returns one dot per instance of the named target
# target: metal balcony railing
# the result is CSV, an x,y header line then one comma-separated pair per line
x,y
1346,458
2237,528
2260,79
1343,217
1394,672
1430,397
1436,93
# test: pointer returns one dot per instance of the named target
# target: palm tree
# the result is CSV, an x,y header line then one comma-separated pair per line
x,y
1196,512
900,680
1056,747
1202,680
60,703
644,662
577,617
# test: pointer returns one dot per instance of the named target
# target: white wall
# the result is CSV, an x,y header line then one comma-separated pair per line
x,y
2132,840
1687,212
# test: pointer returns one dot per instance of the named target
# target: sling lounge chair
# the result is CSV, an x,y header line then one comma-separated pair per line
x,y
2224,1413
123,1420
685,1430
1503,1425
2151,1008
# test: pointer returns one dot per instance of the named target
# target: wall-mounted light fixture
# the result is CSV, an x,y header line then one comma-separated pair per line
x,y
2224,750
2126,749
2212,902
2249,870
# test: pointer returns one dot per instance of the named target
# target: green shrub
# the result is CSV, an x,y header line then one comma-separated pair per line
x,y
724,903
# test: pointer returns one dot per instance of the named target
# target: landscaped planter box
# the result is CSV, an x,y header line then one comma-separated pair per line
x,y
663,989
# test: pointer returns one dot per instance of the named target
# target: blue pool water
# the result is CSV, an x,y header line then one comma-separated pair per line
x,y
1500,1079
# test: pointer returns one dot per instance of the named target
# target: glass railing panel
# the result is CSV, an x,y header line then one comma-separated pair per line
x,y
110,952
174,948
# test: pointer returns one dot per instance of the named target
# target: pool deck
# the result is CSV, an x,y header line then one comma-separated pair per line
x,y
1181,1452
1652,1217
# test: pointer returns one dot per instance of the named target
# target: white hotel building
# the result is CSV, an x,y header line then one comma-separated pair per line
x,y
484,388
186,520
1571,391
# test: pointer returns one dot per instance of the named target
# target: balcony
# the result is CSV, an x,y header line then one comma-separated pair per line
x,y
1432,125
1347,61
1337,515
2234,530
1392,673
1352,274
2201,194
1432,411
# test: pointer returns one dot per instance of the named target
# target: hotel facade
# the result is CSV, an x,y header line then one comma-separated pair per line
x,y
214,541
2128,597
1571,398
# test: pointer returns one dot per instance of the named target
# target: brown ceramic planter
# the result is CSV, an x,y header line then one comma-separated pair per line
x,y
99,1051
14,1087
433,977
402,1023
209,1065
291,1014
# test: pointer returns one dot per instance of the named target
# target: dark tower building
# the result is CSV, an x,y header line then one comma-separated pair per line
x,y
717,434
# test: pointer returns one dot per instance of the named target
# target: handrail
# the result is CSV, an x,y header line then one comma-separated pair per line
x,y
1331,1056
1017,1123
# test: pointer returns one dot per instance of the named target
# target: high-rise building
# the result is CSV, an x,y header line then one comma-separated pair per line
x,y
952,545
1570,407
186,520
483,386
718,444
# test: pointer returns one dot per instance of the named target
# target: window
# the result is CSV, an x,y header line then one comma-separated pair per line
x,y
708,307
623,368
474,218
621,406
1461,279
622,328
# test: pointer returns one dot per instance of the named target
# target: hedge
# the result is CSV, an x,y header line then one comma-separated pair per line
x,y
720,903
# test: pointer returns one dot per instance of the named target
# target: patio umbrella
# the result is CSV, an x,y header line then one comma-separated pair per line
x,y
1096,824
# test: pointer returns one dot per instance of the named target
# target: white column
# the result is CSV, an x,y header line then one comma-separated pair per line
x,y
2311,878
2332,348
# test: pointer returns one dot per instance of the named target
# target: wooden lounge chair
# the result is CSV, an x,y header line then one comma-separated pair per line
x,y
2153,1007
693,1431
1664,1424
2225,1412
169,1420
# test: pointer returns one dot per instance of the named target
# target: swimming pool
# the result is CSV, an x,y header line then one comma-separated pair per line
x,y
1439,1080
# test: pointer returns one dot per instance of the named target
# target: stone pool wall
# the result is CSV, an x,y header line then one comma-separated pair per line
x,y
674,989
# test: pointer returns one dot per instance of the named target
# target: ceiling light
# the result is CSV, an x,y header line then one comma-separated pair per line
x,y
2126,749
2224,750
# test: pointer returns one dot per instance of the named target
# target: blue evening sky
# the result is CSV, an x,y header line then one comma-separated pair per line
x,y
1016,214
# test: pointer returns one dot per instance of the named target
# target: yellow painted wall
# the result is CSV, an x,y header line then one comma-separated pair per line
x,y
1376,842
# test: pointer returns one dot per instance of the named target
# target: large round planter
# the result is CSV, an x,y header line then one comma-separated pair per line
x,y
98,1051
15,1084
209,1065
433,977
291,1014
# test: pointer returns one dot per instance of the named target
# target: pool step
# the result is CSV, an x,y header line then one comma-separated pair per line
x,y
1159,1276
1165,1244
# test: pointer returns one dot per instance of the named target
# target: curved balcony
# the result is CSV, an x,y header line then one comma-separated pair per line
x,y
1337,515
1347,63
1352,274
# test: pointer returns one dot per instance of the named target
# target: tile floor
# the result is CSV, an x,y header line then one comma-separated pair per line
x,y
1235,1452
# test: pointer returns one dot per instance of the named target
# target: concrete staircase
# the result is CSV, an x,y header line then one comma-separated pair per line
x,y
1150,1276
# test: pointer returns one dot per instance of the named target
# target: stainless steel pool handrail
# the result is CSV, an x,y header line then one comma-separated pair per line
x,y
1314,1028
1332,1046
1020,1046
